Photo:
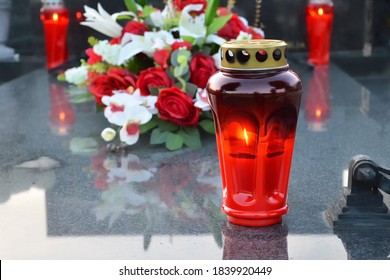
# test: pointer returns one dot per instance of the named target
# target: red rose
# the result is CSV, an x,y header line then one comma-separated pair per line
x,y
255,34
177,45
180,4
92,56
161,57
135,27
115,79
233,27
175,106
152,77
201,68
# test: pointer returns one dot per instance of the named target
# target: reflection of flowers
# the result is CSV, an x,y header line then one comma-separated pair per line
x,y
180,190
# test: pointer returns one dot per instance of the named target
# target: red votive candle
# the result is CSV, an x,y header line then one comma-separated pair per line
x,y
319,19
55,19
255,101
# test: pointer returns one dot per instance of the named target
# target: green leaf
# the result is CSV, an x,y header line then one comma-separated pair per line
x,y
166,125
81,98
180,71
61,77
191,89
188,39
147,126
208,126
92,41
143,2
147,11
211,11
99,108
158,136
131,6
124,17
191,137
218,23
174,141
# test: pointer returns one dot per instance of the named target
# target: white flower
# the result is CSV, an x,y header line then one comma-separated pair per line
x,y
138,115
76,75
130,170
201,100
108,134
102,21
134,44
192,26
148,101
244,36
118,106
126,110
109,53
159,18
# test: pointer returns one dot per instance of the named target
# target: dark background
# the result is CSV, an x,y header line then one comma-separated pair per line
x,y
281,19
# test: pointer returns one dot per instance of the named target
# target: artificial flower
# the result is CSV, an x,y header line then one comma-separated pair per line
x,y
175,106
152,78
201,68
76,75
104,84
108,134
150,74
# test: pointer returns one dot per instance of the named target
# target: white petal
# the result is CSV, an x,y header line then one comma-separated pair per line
x,y
106,100
103,11
138,113
128,139
212,38
108,134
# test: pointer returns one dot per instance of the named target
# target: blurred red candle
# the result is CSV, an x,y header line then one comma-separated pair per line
x,y
55,19
319,19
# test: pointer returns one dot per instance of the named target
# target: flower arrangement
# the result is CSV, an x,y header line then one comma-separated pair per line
x,y
150,74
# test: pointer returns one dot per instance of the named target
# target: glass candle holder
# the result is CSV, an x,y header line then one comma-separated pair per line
x,y
255,100
319,19
55,19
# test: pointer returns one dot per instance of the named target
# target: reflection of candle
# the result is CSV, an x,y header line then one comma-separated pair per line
x,y
61,114
55,18
319,18
317,106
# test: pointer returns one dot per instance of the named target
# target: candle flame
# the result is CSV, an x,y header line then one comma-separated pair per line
x,y
318,113
79,15
320,11
62,116
55,16
246,137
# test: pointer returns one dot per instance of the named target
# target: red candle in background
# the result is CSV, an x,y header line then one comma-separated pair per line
x,y
61,115
317,105
255,102
55,19
319,19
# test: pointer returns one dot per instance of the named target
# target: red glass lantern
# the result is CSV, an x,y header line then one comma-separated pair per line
x,y
255,100
55,19
319,19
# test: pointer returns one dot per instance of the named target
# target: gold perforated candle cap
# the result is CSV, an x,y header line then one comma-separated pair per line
x,y
253,54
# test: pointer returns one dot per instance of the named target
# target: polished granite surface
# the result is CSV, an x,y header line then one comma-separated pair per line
x,y
62,196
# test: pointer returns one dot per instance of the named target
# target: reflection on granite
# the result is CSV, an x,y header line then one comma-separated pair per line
x,y
148,203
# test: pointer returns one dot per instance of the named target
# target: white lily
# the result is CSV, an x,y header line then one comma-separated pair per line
x,y
116,107
102,21
192,26
134,44
159,18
